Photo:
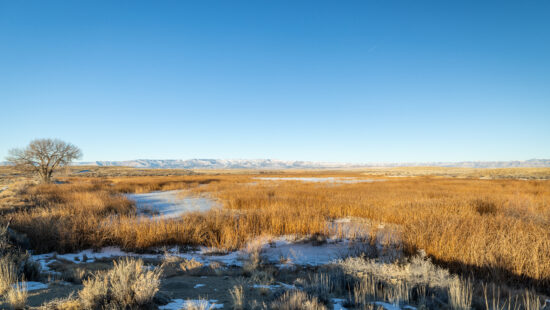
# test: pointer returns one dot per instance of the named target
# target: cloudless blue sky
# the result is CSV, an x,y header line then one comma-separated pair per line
x,y
344,81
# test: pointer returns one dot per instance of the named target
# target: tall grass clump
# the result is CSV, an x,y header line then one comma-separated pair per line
x,y
497,228
460,294
416,280
237,296
66,217
297,300
8,273
16,296
496,299
126,285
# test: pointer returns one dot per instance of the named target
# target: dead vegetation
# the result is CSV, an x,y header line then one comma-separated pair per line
x,y
496,228
128,285
15,268
16,296
297,300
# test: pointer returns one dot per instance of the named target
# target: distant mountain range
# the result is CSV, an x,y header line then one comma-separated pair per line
x,y
218,164
282,164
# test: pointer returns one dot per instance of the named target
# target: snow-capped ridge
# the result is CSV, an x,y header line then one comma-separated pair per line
x,y
206,163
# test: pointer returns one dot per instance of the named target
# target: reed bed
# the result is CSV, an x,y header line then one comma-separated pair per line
x,y
496,227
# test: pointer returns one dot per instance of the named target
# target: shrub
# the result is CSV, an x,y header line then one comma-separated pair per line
x,y
8,273
460,294
17,296
237,295
127,284
297,300
485,206
68,303
190,264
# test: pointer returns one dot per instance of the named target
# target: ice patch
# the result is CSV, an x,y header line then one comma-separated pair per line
x,y
203,256
338,304
86,256
270,287
387,306
31,285
178,304
170,204
283,251
286,253
342,220
273,287
287,286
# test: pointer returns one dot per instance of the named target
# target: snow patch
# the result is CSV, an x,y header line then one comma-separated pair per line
x,y
270,287
386,305
284,252
199,285
287,253
170,204
178,304
273,287
203,256
30,285
338,304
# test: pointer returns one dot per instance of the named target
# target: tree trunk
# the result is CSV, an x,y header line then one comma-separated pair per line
x,y
48,176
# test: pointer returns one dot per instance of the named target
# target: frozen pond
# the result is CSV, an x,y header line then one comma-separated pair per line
x,y
170,204
321,180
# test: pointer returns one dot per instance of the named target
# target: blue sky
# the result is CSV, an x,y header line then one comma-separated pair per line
x,y
345,81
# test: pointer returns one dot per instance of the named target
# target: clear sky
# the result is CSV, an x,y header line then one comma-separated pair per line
x,y
344,81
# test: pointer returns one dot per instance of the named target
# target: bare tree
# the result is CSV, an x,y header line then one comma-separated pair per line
x,y
44,156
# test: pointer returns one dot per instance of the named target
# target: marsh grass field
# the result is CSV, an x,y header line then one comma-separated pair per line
x,y
424,237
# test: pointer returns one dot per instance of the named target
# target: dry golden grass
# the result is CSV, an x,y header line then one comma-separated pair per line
x,y
495,224
8,274
17,296
126,286
297,300
237,296
486,173
496,227
68,217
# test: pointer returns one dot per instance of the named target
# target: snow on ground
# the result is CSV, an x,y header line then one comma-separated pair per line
x,y
178,304
389,306
170,204
88,256
269,287
283,251
273,287
286,253
199,285
31,285
338,304
357,228
321,180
